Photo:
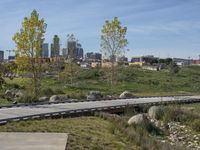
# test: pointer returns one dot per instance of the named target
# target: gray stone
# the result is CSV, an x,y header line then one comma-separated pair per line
x,y
13,94
43,99
54,98
58,98
155,112
18,94
138,119
94,95
126,94
9,94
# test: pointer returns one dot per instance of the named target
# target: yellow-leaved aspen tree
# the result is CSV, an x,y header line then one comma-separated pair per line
x,y
29,42
113,43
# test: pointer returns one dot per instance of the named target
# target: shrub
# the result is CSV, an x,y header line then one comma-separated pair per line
x,y
138,134
196,125
175,113
47,92
27,98
58,91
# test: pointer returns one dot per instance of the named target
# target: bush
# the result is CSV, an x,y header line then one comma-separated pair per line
x,y
139,135
27,98
175,113
58,91
196,125
47,92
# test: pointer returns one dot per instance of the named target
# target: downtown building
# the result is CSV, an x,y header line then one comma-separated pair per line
x,y
55,47
93,57
45,50
74,50
1,56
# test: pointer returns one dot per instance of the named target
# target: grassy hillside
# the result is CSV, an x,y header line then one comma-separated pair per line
x,y
84,132
136,80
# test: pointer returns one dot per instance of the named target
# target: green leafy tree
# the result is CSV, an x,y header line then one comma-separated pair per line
x,y
173,68
2,72
113,43
29,42
70,72
7,70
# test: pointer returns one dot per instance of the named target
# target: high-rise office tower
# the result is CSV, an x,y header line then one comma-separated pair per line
x,y
72,51
64,52
45,50
79,50
1,55
55,46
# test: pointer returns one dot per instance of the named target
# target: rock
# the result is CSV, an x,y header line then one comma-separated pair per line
x,y
63,97
155,112
13,94
54,98
58,98
126,94
9,94
15,102
138,119
94,95
18,94
43,99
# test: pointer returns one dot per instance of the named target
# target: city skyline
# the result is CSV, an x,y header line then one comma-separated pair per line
x,y
164,29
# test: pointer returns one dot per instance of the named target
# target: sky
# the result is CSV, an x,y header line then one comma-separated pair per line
x,y
163,28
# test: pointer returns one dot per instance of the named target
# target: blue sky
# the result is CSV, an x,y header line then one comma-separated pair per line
x,y
169,28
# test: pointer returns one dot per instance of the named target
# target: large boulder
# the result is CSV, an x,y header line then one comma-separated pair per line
x,y
43,99
126,94
155,112
94,95
138,119
58,98
10,94
18,94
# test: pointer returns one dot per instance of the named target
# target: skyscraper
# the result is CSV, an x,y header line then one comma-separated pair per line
x,y
75,50
55,46
79,51
1,56
64,52
72,51
45,50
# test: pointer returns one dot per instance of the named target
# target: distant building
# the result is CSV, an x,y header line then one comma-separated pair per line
x,y
75,50
55,46
142,60
182,62
93,57
45,50
11,58
79,51
196,62
122,59
72,51
64,52
137,61
1,55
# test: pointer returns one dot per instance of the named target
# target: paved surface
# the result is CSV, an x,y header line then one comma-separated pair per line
x,y
7,113
33,141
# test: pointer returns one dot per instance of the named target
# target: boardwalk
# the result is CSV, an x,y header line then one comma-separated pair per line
x,y
26,112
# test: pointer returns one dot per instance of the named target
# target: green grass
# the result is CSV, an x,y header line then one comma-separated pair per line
x,y
84,132
138,81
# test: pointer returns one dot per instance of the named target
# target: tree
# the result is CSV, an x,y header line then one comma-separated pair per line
x,y
29,42
70,72
173,68
7,70
2,72
113,43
